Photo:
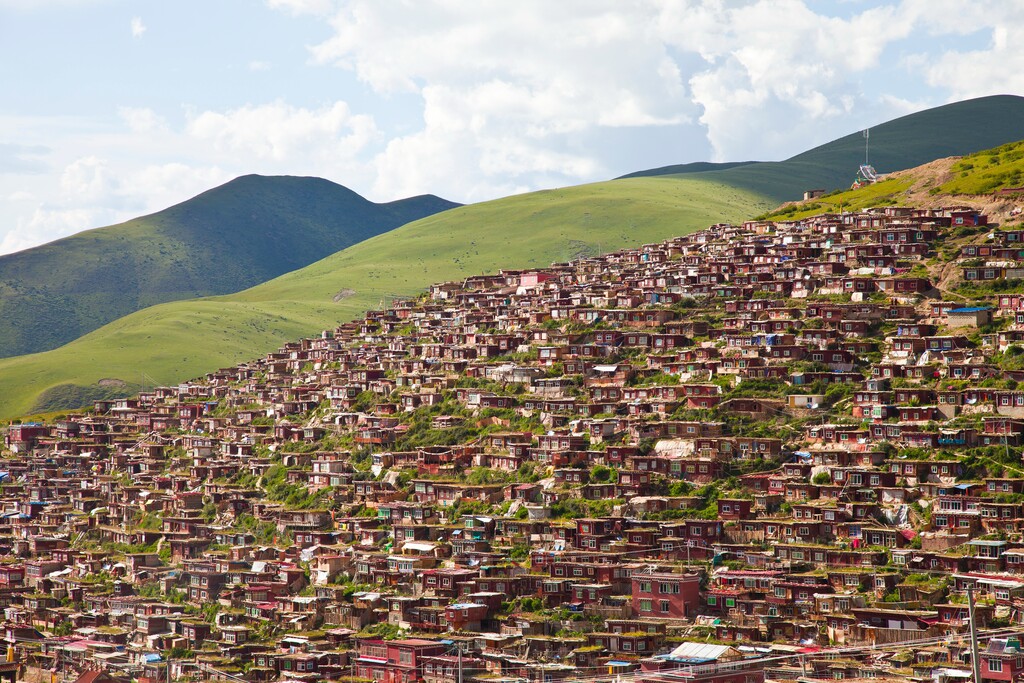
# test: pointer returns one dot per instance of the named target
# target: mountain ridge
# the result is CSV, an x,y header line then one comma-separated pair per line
x,y
228,238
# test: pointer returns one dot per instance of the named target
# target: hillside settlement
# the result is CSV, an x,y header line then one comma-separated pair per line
x,y
775,451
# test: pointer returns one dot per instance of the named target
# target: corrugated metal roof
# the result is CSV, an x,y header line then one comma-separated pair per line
x,y
703,651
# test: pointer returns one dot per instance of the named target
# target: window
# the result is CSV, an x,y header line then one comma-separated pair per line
x,y
995,665
646,605
665,606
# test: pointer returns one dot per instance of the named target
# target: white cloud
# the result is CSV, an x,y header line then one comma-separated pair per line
x,y
87,180
147,164
317,7
993,66
279,132
138,28
142,119
473,100
774,69
765,78
512,95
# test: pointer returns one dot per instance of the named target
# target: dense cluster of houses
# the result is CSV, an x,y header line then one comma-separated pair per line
x,y
781,450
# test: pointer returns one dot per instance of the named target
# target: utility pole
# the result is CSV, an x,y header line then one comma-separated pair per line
x,y
975,658
458,647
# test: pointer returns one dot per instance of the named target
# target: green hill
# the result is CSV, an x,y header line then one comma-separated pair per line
x,y
226,239
174,341
950,130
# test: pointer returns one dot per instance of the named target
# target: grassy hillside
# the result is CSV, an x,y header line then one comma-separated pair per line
x,y
951,130
231,237
174,341
177,340
973,180
987,171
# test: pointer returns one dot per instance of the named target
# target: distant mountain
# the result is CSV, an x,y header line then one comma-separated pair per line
x,y
224,240
950,130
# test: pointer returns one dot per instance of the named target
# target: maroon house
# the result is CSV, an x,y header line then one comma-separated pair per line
x,y
666,596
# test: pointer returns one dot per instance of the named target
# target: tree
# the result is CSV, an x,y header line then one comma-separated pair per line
x,y
822,479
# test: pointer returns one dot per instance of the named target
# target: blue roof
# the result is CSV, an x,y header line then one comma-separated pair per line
x,y
969,309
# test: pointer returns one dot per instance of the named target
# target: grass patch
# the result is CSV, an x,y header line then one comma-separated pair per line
x,y
988,171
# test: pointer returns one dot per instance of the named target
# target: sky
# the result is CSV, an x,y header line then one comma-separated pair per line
x,y
112,109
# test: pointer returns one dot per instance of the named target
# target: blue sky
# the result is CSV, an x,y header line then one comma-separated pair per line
x,y
116,108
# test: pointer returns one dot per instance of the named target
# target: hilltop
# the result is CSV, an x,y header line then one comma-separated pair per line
x,y
985,181
912,140
231,237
